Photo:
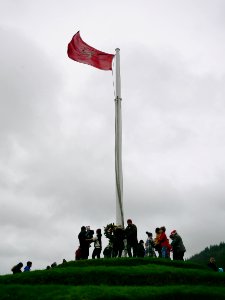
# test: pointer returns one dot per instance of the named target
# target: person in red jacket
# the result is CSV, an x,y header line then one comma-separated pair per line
x,y
164,243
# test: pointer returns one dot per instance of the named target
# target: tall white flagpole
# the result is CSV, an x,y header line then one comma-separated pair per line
x,y
118,145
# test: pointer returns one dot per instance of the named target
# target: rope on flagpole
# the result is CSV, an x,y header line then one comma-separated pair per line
x,y
118,159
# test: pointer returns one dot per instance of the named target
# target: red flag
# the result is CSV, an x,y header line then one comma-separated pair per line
x,y
79,51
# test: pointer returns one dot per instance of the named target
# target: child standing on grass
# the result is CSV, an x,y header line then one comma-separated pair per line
x,y
149,246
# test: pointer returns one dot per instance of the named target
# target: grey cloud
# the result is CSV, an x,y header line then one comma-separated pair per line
x,y
29,86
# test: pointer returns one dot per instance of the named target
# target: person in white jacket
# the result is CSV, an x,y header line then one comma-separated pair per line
x,y
97,244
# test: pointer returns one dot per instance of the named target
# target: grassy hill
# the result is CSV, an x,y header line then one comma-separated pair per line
x,y
125,278
217,251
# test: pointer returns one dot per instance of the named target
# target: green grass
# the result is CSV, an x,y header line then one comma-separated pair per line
x,y
125,278
108,292
134,275
132,262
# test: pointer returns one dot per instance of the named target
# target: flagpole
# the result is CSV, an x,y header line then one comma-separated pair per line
x,y
118,145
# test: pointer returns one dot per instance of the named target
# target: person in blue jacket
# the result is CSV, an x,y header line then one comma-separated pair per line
x,y
28,266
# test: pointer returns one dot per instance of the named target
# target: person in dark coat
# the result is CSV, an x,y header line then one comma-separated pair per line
x,y
118,241
177,246
140,249
84,243
17,268
212,264
131,236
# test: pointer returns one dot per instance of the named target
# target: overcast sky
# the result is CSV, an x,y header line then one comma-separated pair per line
x,y
57,123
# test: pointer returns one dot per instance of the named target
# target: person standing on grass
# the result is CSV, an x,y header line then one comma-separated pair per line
x,y
164,243
149,245
177,246
97,244
158,247
118,242
84,243
131,236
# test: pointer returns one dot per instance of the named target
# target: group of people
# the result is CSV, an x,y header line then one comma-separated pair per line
x,y
164,247
126,240
18,268
86,237
53,265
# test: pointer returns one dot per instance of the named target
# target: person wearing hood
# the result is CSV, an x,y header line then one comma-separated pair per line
x,y
177,246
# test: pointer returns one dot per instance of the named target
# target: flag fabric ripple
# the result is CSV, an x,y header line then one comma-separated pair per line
x,y
81,52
